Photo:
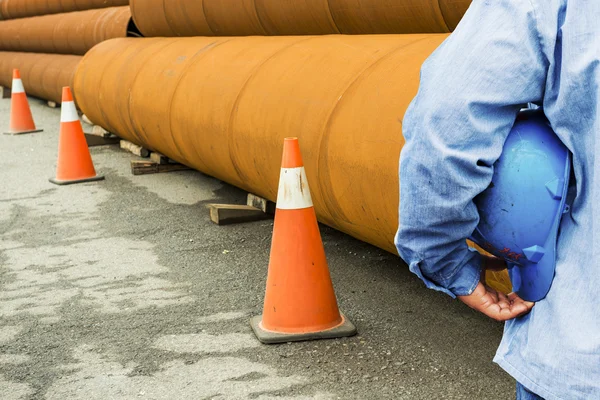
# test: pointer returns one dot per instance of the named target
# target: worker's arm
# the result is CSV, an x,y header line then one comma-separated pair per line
x,y
471,90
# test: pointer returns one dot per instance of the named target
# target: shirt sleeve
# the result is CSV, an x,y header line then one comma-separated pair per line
x,y
471,90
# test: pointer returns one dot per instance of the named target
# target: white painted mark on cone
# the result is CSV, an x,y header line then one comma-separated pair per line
x,y
68,112
17,86
293,193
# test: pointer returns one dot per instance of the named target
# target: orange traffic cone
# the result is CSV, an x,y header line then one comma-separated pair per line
x,y
21,120
300,302
74,159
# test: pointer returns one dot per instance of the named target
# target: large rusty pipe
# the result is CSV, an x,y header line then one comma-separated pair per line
x,y
69,33
295,17
224,106
10,9
43,75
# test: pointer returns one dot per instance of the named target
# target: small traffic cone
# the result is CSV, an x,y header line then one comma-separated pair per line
x,y
21,120
74,159
300,302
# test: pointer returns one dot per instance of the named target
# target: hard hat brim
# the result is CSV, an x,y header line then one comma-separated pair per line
x,y
532,281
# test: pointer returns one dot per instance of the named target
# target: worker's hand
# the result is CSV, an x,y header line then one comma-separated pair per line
x,y
492,303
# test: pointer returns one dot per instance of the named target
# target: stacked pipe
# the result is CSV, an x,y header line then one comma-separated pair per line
x,y
43,75
295,17
224,106
45,43
10,9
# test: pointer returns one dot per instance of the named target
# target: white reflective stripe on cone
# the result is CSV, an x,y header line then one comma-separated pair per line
x,y
293,189
17,86
68,112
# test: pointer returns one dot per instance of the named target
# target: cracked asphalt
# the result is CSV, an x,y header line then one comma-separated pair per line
x,y
124,289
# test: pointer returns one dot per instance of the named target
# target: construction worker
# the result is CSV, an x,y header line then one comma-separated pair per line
x,y
503,55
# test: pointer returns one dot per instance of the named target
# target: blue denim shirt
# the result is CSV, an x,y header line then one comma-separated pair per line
x,y
503,55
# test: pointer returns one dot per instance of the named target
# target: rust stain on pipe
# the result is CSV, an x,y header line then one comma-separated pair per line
x,y
43,75
69,33
10,9
295,17
224,106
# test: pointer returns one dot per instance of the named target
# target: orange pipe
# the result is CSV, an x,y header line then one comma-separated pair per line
x,y
10,9
43,75
295,17
70,33
224,106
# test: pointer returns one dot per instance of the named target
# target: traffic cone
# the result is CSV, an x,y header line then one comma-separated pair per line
x,y
21,120
74,159
300,302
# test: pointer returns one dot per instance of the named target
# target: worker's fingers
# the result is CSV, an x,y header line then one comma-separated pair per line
x,y
493,295
504,314
496,305
503,301
526,306
516,308
514,298
521,308
494,311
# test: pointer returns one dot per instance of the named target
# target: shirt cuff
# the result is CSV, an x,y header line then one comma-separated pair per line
x,y
462,283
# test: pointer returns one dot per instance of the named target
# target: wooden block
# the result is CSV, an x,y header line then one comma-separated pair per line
x,y
142,167
85,119
6,93
159,158
135,149
52,104
97,130
262,204
94,140
225,214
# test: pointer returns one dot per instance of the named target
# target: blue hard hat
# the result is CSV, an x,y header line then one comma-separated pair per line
x,y
520,211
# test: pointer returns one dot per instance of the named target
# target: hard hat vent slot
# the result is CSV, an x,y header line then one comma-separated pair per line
x,y
534,253
555,188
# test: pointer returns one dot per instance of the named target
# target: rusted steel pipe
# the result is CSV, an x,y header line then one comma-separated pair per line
x,y
69,33
43,75
224,106
10,9
295,17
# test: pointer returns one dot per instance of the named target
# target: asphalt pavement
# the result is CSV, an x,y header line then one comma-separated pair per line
x,y
124,289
